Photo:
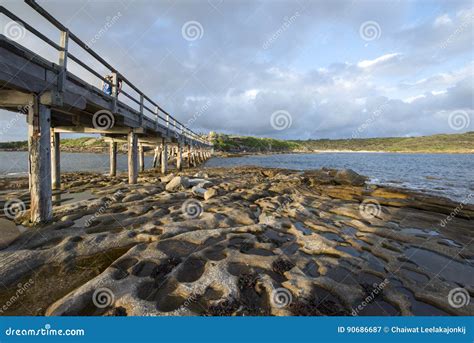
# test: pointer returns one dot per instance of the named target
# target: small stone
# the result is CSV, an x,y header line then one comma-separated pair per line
x,y
210,193
198,191
201,175
195,182
205,184
167,178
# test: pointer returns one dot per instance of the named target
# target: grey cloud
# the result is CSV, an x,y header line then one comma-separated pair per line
x,y
228,81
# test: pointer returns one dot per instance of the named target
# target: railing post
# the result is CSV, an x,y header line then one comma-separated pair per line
x,y
167,124
63,43
114,91
142,100
156,122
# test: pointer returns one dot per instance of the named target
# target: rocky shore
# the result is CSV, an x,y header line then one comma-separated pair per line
x,y
241,241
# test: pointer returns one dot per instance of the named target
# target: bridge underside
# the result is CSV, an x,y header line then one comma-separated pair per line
x,y
52,104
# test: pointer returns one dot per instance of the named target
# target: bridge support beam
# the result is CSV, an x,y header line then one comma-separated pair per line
x,y
39,154
113,158
179,157
55,160
141,158
196,157
164,158
132,158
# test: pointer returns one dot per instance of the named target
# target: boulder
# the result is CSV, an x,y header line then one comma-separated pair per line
x,y
349,177
318,177
177,183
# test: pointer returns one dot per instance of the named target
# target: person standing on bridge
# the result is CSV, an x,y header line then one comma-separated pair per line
x,y
107,84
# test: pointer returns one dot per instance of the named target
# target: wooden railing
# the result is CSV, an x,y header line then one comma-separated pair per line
x,y
158,113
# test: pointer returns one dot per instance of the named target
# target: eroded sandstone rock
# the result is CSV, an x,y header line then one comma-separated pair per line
x,y
270,236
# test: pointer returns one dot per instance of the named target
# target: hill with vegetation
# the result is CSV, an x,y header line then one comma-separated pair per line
x,y
82,144
443,143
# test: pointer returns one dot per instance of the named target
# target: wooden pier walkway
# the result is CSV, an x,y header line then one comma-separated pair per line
x,y
56,101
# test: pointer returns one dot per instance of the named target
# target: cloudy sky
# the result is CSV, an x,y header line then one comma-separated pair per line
x,y
284,69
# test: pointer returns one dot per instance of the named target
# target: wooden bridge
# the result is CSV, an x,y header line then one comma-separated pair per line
x,y
54,101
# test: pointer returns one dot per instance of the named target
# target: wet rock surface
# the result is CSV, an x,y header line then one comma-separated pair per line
x,y
243,241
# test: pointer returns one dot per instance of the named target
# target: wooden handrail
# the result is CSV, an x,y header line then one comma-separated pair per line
x,y
29,28
66,34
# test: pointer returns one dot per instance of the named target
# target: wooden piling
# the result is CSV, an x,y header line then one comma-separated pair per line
x,y
113,158
189,156
156,157
164,158
141,158
55,160
179,157
132,158
39,153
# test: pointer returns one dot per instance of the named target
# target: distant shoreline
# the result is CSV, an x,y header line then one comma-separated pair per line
x,y
233,146
244,153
